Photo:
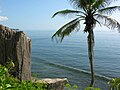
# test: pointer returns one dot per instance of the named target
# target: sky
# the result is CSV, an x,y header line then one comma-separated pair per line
x,y
35,14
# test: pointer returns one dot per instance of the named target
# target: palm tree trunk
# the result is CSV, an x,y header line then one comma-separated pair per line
x,y
91,55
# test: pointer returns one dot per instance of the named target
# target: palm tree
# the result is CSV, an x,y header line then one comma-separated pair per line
x,y
91,12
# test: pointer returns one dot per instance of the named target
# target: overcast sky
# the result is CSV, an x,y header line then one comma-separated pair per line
x,y
35,14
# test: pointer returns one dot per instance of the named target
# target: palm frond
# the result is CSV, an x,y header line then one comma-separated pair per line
x,y
109,10
109,22
110,1
98,22
114,84
67,12
79,3
67,29
99,3
102,4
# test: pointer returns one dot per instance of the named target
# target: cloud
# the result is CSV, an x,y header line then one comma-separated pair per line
x,y
2,18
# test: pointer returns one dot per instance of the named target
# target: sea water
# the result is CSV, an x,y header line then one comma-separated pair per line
x,y
69,59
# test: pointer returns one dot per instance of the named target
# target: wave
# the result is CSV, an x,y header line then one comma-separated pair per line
x,y
68,68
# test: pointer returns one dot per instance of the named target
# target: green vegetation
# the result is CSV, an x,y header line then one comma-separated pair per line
x,y
114,84
91,12
92,88
7,82
70,87
75,87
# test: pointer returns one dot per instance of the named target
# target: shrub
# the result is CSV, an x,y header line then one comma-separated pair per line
x,y
114,84
92,88
70,87
8,82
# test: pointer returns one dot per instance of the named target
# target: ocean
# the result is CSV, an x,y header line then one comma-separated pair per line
x,y
69,59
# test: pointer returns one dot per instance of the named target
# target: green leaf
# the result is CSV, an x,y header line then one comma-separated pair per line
x,y
68,85
109,10
75,87
67,12
8,85
114,84
67,29
109,22
92,88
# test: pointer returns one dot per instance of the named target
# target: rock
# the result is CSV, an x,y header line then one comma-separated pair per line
x,y
16,46
53,84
